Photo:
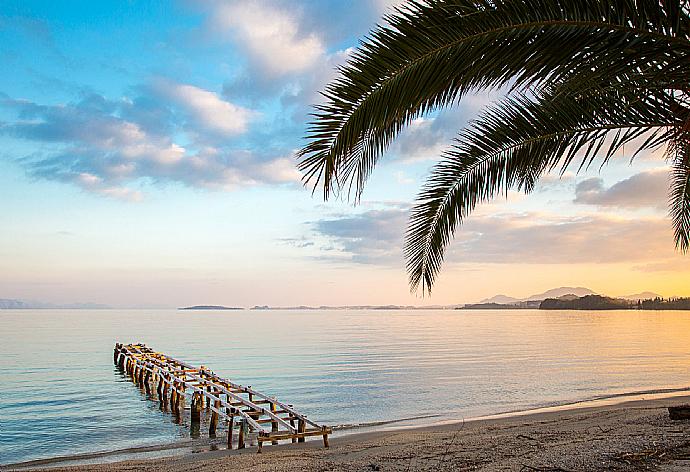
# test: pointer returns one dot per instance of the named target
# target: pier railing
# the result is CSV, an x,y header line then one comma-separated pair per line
x,y
241,407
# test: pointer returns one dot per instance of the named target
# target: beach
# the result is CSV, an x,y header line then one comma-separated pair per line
x,y
632,435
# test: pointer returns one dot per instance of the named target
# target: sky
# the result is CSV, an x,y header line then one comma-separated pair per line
x,y
147,160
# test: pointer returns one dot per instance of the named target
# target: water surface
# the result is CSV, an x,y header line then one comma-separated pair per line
x,y
60,394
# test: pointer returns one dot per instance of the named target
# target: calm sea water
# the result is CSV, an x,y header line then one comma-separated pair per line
x,y
60,394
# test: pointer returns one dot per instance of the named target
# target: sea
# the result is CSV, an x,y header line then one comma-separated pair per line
x,y
60,393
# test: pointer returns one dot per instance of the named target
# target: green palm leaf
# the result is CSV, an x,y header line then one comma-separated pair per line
x,y
680,196
432,53
511,146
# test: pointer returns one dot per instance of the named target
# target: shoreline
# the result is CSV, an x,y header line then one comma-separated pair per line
x,y
158,457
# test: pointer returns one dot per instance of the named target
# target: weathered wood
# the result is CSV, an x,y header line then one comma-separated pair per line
x,y
195,410
325,437
274,423
301,428
240,436
214,419
231,426
224,399
680,412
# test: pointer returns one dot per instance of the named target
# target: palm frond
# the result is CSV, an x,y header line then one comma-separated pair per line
x,y
513,144
432,53
680,194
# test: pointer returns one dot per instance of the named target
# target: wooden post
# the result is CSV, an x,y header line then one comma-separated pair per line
x,y
231,426
214,419
301,427
173,396
260,442
164,398
292,423
325,437
195,411
240,437
146,383
274,423
116,353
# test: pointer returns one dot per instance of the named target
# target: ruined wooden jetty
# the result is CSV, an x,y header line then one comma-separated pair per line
x,y
240,407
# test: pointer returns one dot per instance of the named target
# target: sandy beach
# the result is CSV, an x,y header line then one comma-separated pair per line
x,y
633,435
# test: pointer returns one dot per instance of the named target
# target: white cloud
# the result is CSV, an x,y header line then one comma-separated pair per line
x,y
208,109
272,35
99,146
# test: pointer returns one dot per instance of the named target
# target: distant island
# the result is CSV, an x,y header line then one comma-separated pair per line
x,y
599,302
211,307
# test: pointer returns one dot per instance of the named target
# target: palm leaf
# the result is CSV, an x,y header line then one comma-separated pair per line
x,y
511,145
433,53
680,195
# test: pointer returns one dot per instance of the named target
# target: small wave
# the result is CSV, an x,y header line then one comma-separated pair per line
x,y
371,424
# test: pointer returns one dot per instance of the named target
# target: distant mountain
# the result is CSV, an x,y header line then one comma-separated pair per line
x,y
553,293
500,299
560,291
641,296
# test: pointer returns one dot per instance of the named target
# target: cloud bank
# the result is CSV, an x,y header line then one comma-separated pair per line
x,y
169,132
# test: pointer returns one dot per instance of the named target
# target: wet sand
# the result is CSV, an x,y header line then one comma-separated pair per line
x,y
634,435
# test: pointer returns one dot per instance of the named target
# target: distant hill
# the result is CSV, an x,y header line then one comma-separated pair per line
x,y
210,307
553,293
501,299
560,291
588,302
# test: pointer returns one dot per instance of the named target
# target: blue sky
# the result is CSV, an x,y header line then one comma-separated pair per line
x,y
147,159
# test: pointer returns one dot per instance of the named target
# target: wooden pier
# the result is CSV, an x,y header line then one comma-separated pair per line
x,y
241,408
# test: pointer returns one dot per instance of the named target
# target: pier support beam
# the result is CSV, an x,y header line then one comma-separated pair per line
x,y
240,436
231,426
301,426
213,424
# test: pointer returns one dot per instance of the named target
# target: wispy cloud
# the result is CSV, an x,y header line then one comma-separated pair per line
x,y
105,146
646,189
376,236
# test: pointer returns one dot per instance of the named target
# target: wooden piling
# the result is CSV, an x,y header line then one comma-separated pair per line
x,y
301,426
231,426
274,423
240,436
325,437
213,424
195,410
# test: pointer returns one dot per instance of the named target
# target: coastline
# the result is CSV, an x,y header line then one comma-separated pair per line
x,y
643,432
